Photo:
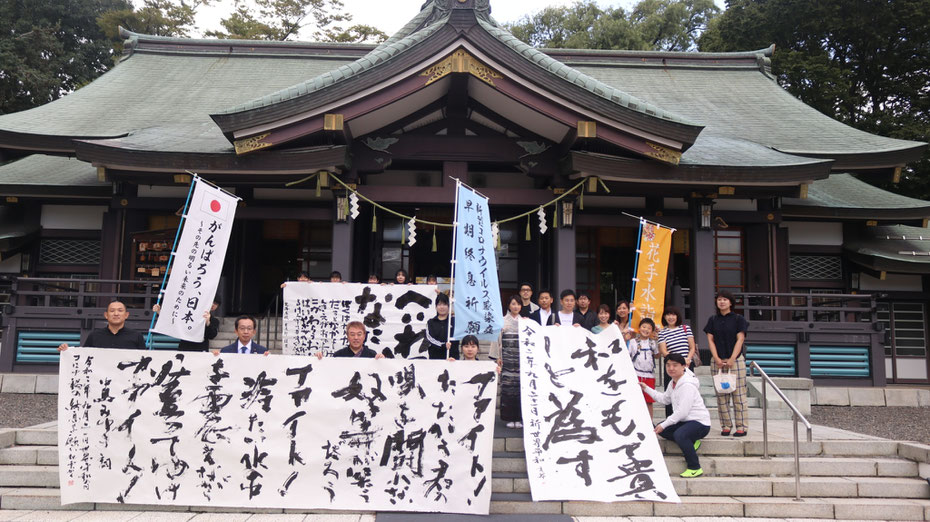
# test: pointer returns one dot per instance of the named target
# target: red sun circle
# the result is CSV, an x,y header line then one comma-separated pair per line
x,y
215,206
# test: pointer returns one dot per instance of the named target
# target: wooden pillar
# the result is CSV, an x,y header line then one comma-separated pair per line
x,y
343,242
563,273
702,277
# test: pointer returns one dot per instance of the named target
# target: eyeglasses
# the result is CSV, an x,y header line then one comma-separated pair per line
x,y
245,328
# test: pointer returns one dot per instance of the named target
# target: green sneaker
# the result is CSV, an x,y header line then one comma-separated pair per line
x,y
691,473
697,444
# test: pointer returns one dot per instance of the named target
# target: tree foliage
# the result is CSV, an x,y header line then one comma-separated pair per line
x,y
155,17
863,62
50,48
667,25
284,19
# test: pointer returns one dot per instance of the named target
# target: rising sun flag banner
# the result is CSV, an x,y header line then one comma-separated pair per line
x,y
655,244
476,291
197,262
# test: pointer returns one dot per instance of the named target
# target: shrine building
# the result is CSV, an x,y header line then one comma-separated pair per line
x,y
770,199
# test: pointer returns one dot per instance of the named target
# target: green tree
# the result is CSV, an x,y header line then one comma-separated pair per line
x,y
863,62
155,17
668,25
50,48
284,19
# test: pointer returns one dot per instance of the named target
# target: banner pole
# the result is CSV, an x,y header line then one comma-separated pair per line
x,y
641,220
639,244
455,229
164,279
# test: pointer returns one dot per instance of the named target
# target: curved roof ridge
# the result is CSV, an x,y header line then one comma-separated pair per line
x,y
766,52
136,41
578,78
375,57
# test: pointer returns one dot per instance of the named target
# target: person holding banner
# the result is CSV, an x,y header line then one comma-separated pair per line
x,y
115,334
400,278
585,311
210,330
356,333
726,333
623,320
245,330
690,420
543,315
436,339
526,299
643,352
568,316
506,350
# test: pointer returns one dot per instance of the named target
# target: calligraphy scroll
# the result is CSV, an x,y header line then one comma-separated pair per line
x,y
170,428
198,263
655,244
316,314
477,302
587,432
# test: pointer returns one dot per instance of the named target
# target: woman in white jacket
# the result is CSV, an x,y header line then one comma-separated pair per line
x,y
690,420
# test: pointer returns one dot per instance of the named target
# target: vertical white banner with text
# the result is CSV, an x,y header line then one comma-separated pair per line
x,y
198,263
587,432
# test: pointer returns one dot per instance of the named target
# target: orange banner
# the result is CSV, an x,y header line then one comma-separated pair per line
x,y
655,244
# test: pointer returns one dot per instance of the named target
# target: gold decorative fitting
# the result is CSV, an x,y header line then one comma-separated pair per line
x,y
252,144
871,223
770,216
101,174
726,191
12,199
333,122
558,191
897,175
664,154
587,129
460,62
803,191
926,222
182,178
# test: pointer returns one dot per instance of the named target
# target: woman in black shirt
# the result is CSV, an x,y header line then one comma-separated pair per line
x,y
437,343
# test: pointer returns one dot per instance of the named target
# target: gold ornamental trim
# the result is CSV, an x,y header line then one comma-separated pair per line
x,y
254,143
460,62
664,154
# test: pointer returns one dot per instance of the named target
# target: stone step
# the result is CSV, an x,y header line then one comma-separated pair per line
x,y
724,506
36,437
28,476
845,487
521,503
29,455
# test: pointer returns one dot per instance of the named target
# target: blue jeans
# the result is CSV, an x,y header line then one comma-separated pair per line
x,y
685,434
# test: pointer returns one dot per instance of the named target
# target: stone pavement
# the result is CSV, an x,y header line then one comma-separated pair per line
x,y
165,516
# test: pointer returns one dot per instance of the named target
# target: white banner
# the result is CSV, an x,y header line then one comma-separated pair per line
x,y
171,428
587,431
316,315
198,263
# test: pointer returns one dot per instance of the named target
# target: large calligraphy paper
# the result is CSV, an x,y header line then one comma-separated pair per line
x,y
171,428
587,432
655,244
198,263
476,303
316,314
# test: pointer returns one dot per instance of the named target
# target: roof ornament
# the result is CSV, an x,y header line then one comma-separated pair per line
x,y
442,8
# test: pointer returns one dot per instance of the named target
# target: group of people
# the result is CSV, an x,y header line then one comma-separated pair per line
x,y
687,419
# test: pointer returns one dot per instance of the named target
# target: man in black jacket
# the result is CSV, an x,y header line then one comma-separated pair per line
x,y
356,333
115,334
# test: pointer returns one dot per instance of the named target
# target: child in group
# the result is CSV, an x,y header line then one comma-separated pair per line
x,y
643,351
603,319
469,348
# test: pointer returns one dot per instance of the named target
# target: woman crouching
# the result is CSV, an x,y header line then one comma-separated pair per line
x,y
690,420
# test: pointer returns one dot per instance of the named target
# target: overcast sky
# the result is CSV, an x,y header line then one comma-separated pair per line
x,y
390,16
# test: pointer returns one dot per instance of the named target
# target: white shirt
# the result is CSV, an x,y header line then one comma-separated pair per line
x,y
544,316
248,347
566,318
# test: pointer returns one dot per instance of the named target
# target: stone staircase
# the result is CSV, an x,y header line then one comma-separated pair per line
x,y
871,479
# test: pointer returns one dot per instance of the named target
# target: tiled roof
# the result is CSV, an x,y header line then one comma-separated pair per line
x,y
42,170
898,244
846,192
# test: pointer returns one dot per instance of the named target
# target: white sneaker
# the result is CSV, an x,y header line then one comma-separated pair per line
x,y
518,425
511,424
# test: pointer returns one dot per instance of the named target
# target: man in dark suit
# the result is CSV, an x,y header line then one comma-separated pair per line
x,y
356,333
245,329
568,316
543,315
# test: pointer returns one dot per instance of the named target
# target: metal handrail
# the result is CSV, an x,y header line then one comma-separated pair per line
x,y
765,425
271,312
